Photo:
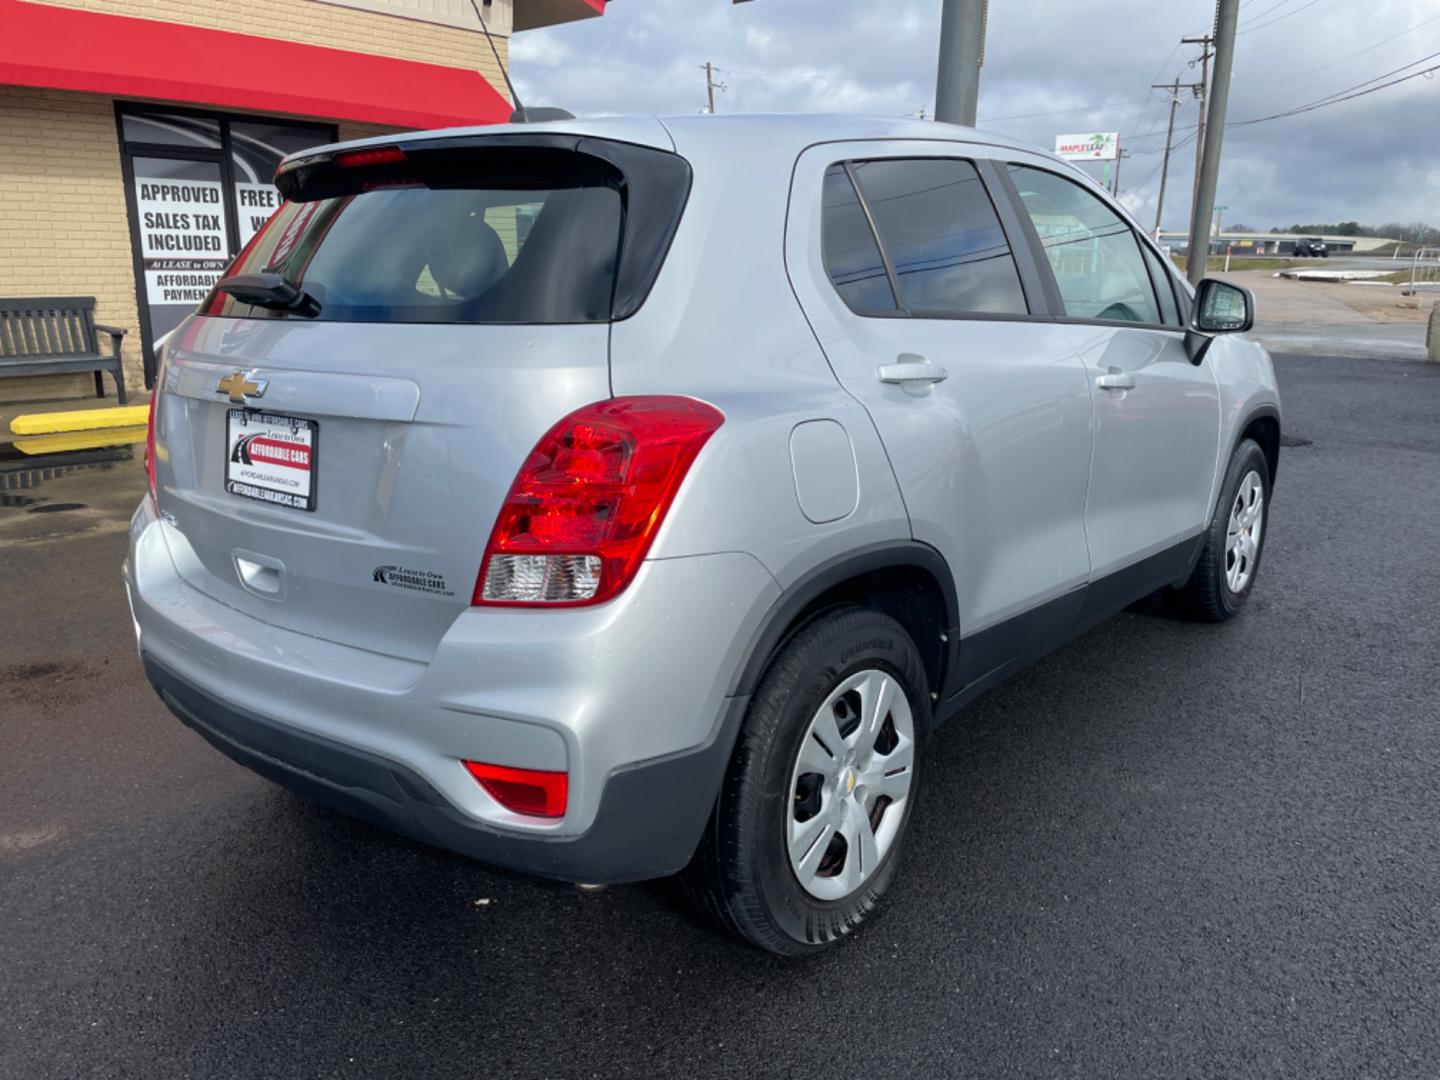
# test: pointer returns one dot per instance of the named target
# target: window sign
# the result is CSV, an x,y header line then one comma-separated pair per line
x,y
180,207
199,189
256,150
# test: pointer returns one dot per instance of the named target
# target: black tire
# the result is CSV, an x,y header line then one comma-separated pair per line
x,y
742,874
1207,596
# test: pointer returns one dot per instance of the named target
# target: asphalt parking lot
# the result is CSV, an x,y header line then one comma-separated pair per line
x,y
1169,850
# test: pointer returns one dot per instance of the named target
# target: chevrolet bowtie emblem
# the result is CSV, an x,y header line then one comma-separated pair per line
x,y
239,388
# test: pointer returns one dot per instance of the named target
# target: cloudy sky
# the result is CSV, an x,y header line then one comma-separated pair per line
x,y
1086,65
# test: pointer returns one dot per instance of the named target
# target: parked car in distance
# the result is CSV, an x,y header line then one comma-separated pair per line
x,y
606,499
1311,246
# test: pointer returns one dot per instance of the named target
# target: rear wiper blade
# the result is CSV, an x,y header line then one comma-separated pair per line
x,y
273,291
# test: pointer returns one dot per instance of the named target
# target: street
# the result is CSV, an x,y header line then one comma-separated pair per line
x,y
1167,850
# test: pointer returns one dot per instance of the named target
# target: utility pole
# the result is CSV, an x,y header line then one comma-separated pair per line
x,y
962,52
1226,16
1174,89
1200,89
1120,155
711,85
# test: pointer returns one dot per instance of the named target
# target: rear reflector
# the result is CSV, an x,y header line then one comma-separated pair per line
x,y
589,500
535,792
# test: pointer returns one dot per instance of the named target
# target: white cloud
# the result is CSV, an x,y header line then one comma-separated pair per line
x,y
1371,159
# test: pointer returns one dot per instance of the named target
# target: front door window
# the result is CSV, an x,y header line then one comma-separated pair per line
x,y
1094,254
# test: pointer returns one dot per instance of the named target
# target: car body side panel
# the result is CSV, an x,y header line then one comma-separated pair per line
x,y
1155,444
722,324
1245,376
993,462
1243,372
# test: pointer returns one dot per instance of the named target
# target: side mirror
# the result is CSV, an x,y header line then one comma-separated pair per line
x,y
1220,308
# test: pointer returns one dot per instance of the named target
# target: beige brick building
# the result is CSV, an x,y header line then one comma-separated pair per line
x,y
110,107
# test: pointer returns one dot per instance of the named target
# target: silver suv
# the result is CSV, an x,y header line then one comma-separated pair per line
x,y
606,499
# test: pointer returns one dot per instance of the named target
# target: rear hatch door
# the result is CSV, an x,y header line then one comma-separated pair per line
x,y
335,466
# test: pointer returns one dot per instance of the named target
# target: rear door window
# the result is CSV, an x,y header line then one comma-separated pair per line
x,y
942,234
1094,254
852,257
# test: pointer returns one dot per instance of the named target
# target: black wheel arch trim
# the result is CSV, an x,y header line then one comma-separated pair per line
x,y
1265,411
779,621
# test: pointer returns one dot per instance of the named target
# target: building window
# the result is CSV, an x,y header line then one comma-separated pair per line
x,y
197,189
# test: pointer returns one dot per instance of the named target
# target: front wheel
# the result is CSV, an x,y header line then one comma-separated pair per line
x,y
1234,542
807,831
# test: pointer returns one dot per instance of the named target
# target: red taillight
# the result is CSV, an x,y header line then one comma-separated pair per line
x,y
150,442
536,792
589,500
379,155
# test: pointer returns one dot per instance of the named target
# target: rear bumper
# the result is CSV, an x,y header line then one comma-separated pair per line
x,y
629,698
628,840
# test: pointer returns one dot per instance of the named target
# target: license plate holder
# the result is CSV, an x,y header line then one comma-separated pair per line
x,y
271,458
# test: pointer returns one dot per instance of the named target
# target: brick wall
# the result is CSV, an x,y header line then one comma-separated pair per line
x,y
63,227
63,231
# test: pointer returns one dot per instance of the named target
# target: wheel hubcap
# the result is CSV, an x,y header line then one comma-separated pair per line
x,y
1242,538
850,784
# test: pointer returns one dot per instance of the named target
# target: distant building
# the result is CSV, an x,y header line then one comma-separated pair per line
x,y
136,153
1254,243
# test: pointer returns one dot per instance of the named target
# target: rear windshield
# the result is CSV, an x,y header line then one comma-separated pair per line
x,y
481,237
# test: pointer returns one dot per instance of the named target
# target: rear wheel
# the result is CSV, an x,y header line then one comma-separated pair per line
x,y
805,837
1230,559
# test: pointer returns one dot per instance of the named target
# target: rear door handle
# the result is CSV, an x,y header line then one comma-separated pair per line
x,y
912,371
1115,379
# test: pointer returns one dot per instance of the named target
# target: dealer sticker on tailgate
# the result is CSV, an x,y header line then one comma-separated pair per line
x,y
271,458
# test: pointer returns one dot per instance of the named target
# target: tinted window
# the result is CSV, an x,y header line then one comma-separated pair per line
x,y
1094,254
172,129
942,235
852,258
417,254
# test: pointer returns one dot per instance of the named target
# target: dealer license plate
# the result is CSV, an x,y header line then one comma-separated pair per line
x,y
271,458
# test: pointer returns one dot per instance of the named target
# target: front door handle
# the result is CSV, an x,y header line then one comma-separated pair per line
x,y
911,370
1115,379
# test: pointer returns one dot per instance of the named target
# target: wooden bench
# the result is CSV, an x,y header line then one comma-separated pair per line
x,y
55,336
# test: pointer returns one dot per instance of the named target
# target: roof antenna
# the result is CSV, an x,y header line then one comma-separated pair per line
x,y
520,115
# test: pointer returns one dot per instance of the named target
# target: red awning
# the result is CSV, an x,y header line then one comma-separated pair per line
x,y
70,49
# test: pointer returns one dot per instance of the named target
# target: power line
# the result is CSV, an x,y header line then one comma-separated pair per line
x,y
1268,10
1309,105
1278,18
1368,48
1335,100
1140,120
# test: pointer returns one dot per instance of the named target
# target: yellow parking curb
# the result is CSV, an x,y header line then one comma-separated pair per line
x,y
81,440
124,416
